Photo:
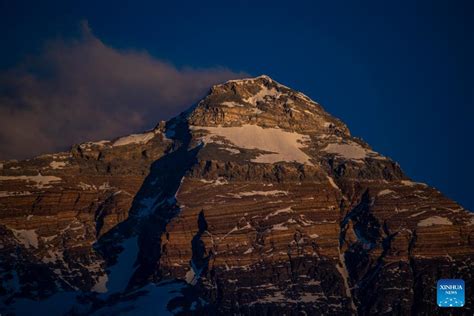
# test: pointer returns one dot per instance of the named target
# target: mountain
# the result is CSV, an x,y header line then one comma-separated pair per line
x,y
254,201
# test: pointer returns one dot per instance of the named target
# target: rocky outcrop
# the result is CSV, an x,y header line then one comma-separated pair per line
x,y
55,207
255,201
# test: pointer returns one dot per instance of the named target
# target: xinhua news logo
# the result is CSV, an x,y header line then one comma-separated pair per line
x,y
450,293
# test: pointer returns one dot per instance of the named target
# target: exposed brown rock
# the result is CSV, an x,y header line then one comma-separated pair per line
x,y
312,220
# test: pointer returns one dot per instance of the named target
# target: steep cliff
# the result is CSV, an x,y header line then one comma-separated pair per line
x,y
254,201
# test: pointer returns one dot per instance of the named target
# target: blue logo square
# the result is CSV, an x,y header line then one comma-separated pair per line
x,y
450,293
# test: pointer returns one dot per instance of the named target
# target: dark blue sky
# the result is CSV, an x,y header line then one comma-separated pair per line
x,y
398,73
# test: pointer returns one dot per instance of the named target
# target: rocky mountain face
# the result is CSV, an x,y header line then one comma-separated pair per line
x,y
255,201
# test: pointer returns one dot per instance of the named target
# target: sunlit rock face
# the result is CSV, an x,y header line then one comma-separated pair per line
x,y
254,201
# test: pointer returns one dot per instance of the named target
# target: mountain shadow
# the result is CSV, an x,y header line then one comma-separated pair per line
x,y
153,207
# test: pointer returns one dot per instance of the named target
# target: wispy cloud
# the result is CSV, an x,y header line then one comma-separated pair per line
x,y
81,89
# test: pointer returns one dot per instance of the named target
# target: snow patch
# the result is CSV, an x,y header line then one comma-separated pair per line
x,y
231,104
342,269
134,139
352,151
417,214
332,183
284,146
152,299
434,220
58,164
27,237
280,226
53,256
60,303
189,277
282,211
119,274
86,187
105,186
46,239
412,183
100,143
218,181
258,193
385,192
101,285
17,193
250,250
40,180
232,150
194,273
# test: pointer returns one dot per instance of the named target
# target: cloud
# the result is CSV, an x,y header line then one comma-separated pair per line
x,y
81,89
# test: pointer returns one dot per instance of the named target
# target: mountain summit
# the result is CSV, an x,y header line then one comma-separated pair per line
x,y
264,102
254,201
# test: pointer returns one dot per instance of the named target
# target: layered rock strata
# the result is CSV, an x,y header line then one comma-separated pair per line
x,y
255,201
